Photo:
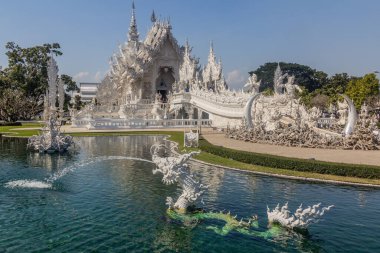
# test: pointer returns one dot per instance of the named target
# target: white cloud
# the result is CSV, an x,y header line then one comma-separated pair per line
x,y
235,79
80,77
86,76
99,76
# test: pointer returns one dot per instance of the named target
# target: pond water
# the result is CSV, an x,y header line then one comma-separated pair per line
x,y
84,201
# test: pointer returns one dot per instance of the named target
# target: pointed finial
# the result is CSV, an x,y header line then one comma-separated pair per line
x,y
211,49
133,35
153,17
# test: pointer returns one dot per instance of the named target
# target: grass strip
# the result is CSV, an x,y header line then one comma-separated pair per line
x,y
293,164
217,160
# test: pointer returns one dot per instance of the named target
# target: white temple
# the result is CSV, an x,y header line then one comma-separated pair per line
x,y
155,79
156,83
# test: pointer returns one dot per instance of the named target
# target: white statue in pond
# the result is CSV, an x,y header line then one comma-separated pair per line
x,y
302,218
51,139
176,169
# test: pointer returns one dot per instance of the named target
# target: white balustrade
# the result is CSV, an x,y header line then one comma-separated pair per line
x,y
140,123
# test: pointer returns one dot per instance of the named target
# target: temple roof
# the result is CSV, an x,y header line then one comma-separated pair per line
x,y
156,37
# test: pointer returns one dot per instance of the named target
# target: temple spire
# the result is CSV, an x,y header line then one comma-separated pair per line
x,y
133,35
153,17
211,56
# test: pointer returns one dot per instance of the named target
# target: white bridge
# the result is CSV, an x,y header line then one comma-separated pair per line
x,y
204,110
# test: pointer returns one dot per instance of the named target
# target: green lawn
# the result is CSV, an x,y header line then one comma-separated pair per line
x,y
15,131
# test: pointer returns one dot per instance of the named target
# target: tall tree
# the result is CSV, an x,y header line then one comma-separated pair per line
x,y
305,76
27,67
335,86
24,81
359,89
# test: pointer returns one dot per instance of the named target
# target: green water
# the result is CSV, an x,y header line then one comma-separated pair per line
x,y
118,205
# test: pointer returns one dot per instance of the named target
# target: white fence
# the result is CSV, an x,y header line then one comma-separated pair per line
x,y
140,123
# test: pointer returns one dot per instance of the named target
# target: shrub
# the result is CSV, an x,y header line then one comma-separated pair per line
x,y
279,162
10,124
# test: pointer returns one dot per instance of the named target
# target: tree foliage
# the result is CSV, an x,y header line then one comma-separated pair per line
x,y
360,89
305,76
15,105
27,67
23,83
71,85
335,86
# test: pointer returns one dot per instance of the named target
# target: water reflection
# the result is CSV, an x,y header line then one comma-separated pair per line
x,y
213,177
50,162
172,238
120,205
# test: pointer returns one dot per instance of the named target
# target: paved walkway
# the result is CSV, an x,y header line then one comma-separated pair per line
x,y
329,155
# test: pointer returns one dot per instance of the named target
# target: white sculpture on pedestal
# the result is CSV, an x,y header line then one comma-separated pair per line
x,y
51,139
191,139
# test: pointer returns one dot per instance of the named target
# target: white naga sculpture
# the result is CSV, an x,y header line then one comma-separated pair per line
x,y
248,111
352,117
176,169
302,218
51,139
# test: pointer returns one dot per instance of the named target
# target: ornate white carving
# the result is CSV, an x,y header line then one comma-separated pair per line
x,y
278,81
191,139
252,85
212,74
291,87
302,218
352,117
188,69
175,169
51,139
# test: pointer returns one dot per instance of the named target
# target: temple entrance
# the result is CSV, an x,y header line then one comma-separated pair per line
x,y
164,82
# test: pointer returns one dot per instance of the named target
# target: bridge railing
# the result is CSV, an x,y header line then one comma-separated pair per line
x,y
140,123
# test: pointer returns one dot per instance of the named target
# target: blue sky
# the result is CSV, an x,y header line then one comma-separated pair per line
x,y
330,35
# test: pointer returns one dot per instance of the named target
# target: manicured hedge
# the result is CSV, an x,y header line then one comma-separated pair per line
x,y
10,124
280,162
